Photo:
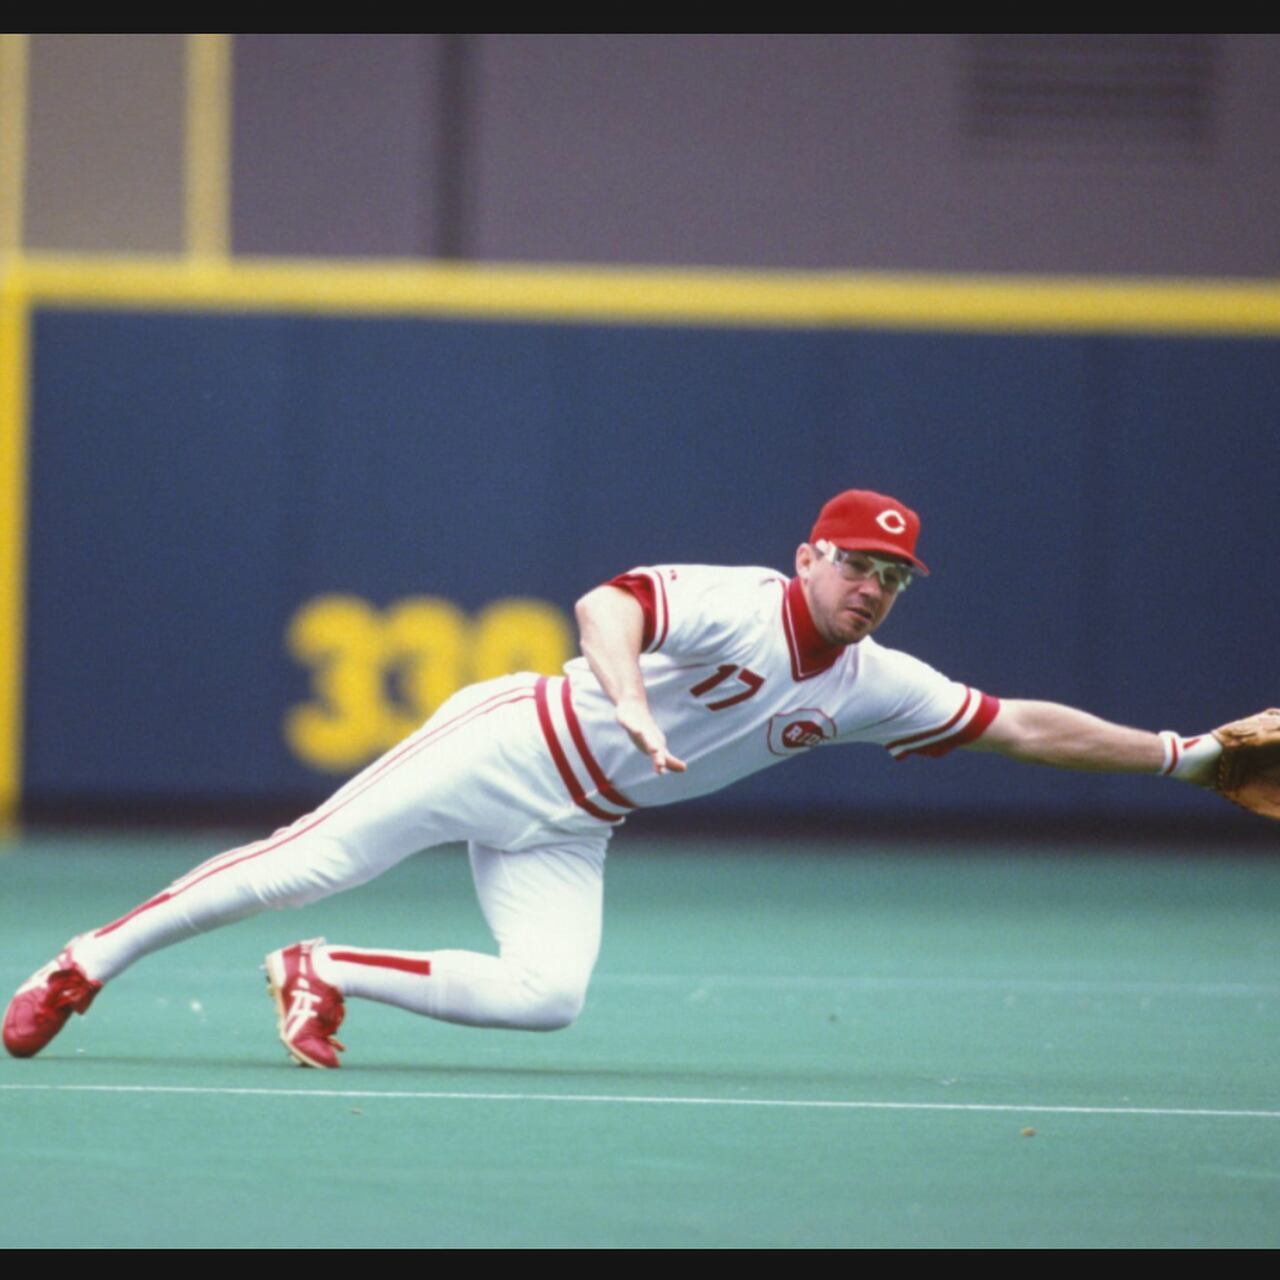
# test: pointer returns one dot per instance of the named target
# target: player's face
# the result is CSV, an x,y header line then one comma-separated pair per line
x,y
845,608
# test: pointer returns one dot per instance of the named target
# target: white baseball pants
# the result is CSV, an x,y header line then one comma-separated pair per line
x,y
479,771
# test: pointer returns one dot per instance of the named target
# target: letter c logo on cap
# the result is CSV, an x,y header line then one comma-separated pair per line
x,y
892,521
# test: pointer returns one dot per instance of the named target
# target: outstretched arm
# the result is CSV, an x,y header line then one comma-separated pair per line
x,y
1049,733
611,634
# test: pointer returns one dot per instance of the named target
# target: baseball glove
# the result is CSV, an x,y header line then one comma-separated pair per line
x,y
1249,766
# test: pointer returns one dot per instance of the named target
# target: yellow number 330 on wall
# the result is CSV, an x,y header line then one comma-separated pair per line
x,y
377,674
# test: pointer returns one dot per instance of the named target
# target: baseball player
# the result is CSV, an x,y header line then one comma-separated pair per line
x,y
691,677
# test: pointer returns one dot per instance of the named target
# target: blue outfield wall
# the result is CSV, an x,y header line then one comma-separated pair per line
x,y
262,545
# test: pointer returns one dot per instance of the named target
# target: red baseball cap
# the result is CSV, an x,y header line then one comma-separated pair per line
x,y
859,520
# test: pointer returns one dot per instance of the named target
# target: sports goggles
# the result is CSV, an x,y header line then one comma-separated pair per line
x,y
858,566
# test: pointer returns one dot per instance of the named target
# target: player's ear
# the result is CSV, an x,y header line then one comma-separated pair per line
x,y
805,556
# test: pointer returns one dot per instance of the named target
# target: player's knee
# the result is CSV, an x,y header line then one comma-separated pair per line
x,y
556,1005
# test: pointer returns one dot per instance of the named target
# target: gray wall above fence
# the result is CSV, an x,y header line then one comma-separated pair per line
x,y
1147,154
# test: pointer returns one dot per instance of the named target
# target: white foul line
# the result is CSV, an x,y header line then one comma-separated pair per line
x,y
428,1095
1004,986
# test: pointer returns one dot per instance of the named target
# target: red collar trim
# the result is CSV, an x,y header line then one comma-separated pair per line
x,y
811,655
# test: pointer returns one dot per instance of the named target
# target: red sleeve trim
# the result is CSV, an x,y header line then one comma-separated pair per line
x,y
640,586
666,612
988,709
967,725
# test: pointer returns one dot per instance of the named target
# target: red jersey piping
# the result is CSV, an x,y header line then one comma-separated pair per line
x,y
567,776
811,655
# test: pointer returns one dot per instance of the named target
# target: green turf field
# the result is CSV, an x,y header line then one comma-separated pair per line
x,y
783,1046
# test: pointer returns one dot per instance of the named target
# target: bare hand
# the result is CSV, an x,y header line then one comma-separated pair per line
x,y
638,721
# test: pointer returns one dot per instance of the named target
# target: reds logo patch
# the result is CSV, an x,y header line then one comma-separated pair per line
x,y
892,521
802,733
800,730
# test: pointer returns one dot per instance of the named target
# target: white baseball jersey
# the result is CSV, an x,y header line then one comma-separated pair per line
x,y
739,679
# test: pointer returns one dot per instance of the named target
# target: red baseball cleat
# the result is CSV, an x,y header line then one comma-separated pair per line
x,y
310,1010
41,1006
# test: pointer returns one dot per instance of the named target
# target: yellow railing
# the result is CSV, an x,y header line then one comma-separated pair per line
x,y
631,295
